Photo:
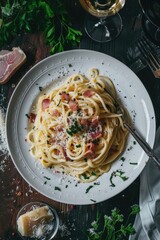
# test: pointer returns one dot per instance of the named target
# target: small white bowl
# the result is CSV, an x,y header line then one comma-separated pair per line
x,y
50,234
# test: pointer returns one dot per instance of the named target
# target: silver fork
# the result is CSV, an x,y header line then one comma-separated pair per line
x,y
149,56
137,136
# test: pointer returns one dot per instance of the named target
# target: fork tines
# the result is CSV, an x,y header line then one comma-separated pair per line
x,y
149,56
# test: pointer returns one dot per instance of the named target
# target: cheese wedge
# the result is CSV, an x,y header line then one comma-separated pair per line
x,y
35,219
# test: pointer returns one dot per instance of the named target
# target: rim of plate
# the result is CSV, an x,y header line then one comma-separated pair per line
x,y
114,192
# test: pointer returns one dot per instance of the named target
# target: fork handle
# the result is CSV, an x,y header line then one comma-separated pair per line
x,y
145,146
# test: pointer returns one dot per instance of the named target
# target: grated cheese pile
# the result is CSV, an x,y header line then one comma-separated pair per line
x,y
3,141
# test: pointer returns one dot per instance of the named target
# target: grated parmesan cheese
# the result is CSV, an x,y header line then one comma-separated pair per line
x,y
3,141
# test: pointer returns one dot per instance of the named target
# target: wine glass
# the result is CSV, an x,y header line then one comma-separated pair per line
x,y
109,23
151,19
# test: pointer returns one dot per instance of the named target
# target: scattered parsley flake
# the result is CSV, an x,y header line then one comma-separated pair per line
x,y
88,189
117,173
40,89
57,188
47,178
85,176
78,146
123,159
27,115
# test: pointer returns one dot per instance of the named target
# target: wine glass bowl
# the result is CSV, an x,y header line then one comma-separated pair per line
x,y
151,19
104,23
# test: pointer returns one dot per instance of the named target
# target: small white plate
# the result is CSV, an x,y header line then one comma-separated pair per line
x,y
54,70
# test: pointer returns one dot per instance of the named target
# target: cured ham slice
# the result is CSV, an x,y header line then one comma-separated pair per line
x,y
88,93
10,62
45,103
65,96
73,105
32,117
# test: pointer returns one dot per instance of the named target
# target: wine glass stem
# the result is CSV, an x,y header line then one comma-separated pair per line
x,y
102,22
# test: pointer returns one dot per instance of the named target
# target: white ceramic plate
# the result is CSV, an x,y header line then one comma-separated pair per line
x,y
54,70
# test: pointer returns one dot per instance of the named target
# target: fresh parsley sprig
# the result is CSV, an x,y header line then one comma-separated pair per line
x,y
113,227
47,16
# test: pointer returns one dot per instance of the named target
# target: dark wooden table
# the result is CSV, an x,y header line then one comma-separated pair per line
x,y
14,191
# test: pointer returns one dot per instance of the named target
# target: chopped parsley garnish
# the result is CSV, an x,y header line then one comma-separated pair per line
x,y
133,163
87,190
57,188
75,128
123,159
27,116
85,176
47,178
78,146
117,173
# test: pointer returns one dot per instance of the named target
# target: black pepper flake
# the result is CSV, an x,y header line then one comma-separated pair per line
x,y
40,89
70,65
93,200
129,148
97,183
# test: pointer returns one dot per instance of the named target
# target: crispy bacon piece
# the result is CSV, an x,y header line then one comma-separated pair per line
x,y
95,122
45,103
88,93
32,117
95,135
73,105
84,122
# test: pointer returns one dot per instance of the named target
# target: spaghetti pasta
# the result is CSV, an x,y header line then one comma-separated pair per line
x,y
76,128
